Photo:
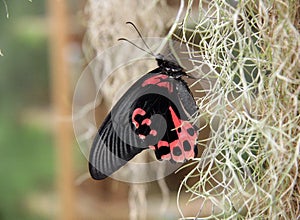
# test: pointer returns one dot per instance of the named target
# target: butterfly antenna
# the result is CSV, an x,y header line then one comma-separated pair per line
x,y
140,35
124,39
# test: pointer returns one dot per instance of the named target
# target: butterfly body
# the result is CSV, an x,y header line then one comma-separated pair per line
x,y
153,114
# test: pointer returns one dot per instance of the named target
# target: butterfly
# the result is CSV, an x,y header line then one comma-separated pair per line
x,y
154,113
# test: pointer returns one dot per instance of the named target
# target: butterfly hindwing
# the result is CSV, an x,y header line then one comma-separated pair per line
x,y
153,114
170,133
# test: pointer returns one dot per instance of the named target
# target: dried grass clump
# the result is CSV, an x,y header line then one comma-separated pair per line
x,y
249,167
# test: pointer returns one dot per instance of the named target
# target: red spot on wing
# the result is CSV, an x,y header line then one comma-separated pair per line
x,y
136,112
146,121
153,132
152,147
154,80
164,144
158,80
142,136
177,155
177,122
187,136
166,85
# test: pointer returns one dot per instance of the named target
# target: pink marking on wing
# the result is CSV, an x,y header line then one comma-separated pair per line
x,y
183,135
162,143
136,125
158,80
167,85
154,80
189,154
152,147
177,158
153,132
136,112
142,136
146,121
176,120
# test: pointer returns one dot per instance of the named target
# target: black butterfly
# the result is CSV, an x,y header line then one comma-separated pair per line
x,y
153,114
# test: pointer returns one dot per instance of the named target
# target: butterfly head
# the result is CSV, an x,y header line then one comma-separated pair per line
x,y
168,67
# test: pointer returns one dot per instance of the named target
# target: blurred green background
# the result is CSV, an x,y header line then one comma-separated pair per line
x,y
26,147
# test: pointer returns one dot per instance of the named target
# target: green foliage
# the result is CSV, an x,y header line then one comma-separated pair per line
x,y
24,67
26,151
26,165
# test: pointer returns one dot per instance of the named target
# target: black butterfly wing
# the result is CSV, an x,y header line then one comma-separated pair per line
x,y
143,118
179,140
115,142
109,152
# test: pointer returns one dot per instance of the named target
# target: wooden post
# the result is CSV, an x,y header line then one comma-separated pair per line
x,y
59,30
